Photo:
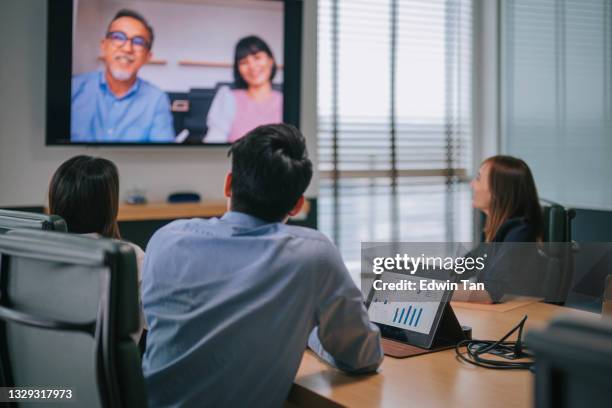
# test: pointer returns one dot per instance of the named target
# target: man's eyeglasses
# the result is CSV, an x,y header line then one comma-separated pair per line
x,y
119,38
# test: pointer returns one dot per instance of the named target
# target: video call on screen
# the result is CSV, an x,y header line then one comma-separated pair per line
x,y
197,72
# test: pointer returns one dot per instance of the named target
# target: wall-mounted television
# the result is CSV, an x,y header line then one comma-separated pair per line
x,y
170,72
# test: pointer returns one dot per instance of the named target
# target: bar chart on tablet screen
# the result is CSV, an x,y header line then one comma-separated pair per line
x,y
417,313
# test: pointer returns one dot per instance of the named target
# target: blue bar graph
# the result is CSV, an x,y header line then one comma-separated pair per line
x,y
406,318
418,317
413,313
412,317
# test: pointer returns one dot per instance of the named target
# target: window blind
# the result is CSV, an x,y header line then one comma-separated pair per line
x,y
556,96
394,120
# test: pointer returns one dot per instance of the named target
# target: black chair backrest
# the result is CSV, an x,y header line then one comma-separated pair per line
x,y
68,305
178,117
573,359
558,249
10,219
200,100
557,222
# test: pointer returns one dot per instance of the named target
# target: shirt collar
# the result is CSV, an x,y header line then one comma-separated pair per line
x,y
243,219
130,92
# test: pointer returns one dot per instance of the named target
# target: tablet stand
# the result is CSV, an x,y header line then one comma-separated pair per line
x,y
447,335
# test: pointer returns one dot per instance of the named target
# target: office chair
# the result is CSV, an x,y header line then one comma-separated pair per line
x,y
573,363
181,100
200,100
557,221
555,260
558,248
19,219
68,304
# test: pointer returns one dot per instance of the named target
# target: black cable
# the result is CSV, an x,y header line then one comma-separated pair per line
x,y
476,348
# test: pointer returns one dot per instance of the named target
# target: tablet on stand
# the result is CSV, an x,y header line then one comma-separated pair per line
x,y
418,321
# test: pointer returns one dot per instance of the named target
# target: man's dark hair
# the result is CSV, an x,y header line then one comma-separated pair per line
x,y
249,46
270,171
136,16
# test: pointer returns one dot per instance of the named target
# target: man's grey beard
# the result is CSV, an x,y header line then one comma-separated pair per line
x,y
120,75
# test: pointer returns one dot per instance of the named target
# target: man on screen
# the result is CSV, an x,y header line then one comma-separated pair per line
x,y
114,105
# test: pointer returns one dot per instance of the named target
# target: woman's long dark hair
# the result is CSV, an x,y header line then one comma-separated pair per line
x,y
248,46
513,194
84,191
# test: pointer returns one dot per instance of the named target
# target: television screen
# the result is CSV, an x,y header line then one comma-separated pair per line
x,y
159,72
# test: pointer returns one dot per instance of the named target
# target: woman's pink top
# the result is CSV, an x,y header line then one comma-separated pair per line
x,y
251,113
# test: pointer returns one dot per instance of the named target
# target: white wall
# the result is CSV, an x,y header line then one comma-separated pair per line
x,y
86,35
183,31
26,164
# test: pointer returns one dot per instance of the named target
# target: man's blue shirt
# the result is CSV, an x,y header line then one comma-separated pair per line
x,y
231,304
97,115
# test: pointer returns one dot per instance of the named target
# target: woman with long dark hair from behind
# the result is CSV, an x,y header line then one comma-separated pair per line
x,y
84,191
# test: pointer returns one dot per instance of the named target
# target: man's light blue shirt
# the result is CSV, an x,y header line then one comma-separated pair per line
x,y
97,115
230,304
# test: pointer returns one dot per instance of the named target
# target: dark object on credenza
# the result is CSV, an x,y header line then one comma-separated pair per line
x,y
184,197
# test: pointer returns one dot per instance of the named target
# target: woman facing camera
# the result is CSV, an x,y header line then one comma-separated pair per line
x,y
252,101
84,191
505,191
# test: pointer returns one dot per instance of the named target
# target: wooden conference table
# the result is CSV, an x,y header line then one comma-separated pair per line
x,y
436,379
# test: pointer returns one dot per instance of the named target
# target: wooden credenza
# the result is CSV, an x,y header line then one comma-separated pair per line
x,y
170,211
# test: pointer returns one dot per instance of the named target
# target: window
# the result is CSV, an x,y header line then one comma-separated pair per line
x,y
395,121
557,96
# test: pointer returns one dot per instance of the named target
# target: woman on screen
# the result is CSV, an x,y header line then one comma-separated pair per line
x,y
505,191
252,101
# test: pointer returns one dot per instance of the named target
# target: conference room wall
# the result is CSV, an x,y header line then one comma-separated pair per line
x,y
26,164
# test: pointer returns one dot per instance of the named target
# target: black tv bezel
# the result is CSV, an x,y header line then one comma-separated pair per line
x,y
59,75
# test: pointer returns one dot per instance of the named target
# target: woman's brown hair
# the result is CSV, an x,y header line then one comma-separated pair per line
x,y
84,191
513,194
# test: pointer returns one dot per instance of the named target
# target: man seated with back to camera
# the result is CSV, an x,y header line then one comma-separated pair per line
x,y
232,302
